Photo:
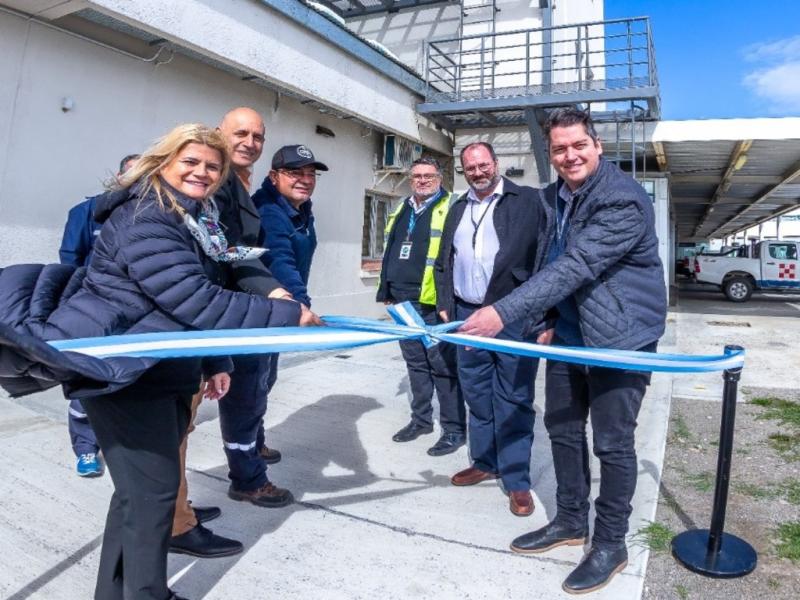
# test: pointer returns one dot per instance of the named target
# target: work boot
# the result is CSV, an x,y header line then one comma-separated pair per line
x,y
270,456
268,496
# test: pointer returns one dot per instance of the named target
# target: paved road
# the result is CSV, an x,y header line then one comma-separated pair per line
x,y
707,299
374,519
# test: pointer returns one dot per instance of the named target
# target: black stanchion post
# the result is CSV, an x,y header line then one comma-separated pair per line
x,y
712,552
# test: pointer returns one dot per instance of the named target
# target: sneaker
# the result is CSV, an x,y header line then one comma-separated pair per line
x,y
268,495
89,465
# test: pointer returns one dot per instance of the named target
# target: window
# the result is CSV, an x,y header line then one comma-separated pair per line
x,y
783,251
377,209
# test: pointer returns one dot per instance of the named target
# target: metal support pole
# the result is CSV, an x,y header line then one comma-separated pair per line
x,y
712,552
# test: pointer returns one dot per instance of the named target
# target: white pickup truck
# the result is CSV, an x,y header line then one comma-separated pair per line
x,y
772,267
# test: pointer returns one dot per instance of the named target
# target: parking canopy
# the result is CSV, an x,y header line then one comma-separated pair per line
x,y
728,174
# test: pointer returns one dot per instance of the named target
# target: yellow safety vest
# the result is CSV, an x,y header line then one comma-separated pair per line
x,y
427,294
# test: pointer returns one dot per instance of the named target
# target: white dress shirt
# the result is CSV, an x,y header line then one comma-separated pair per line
x,y
476,246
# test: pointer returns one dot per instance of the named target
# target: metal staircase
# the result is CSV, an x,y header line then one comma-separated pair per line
x,y
505,79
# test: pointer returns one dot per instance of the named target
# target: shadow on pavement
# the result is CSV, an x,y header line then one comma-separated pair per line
x,y
325,434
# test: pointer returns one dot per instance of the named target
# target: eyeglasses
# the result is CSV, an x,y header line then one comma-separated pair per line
x,y
483,168
425,177
295,174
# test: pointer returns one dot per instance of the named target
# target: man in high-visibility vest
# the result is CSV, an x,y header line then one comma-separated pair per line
x,y
413,234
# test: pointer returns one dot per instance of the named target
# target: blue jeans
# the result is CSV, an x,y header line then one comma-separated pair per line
x,y
612,398
498,389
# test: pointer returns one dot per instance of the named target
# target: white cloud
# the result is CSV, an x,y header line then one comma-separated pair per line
x,y
781,50
775,77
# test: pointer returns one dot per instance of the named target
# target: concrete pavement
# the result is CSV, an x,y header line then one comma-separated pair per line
x,y
373,518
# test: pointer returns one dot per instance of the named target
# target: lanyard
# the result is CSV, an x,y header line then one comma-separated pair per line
x,y
477,225
561,219
412,218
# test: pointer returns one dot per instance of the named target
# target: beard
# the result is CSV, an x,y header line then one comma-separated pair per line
x,y
484,184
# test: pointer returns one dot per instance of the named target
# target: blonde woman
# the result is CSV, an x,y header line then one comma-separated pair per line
x,y
156,267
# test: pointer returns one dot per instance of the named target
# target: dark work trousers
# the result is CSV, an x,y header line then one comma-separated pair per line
x,y
612,399
241,419
139,432
498,389
432,369
80,431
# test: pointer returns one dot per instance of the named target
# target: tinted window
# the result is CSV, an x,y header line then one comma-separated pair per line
x,y
783,251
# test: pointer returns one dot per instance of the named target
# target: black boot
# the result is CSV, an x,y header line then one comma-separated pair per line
x,y
596,569
550,536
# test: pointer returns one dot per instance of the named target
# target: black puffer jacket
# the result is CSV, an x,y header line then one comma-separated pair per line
x,y
147,274
610,266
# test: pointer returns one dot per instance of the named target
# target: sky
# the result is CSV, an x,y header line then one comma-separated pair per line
x,y
721,59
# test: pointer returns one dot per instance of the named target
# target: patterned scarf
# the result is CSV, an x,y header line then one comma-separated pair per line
x,y
208,233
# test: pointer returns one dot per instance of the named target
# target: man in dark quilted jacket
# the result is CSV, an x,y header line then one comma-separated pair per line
x,y
599,271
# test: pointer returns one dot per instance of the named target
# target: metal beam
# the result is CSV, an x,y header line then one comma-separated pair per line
x,y
534,118
700,178
542,101
759,221
735,162
788,177
707,200
661,156
486,117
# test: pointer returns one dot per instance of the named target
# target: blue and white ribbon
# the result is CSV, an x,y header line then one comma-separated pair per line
x,y
350,332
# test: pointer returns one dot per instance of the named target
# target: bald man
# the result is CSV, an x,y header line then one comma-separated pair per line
x,y
242,411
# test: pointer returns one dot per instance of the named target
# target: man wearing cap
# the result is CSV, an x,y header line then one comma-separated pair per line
x,y
413,235
284,202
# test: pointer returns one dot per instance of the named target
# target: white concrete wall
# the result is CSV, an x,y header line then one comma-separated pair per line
x,y
513,148
252,36
50,160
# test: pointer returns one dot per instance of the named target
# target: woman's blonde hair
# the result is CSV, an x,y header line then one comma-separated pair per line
x,y
148,166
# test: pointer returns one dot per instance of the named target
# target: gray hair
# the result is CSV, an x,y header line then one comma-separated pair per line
x,y
430,161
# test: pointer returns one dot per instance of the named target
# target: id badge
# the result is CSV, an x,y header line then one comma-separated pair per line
x,y
405,250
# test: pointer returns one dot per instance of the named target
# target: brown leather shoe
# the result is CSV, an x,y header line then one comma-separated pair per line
x,y
521,503
471,476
